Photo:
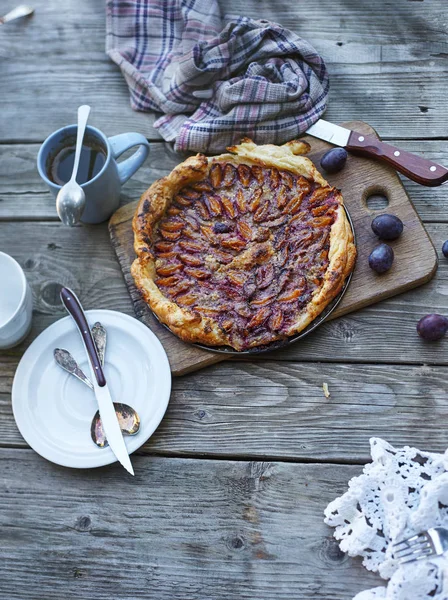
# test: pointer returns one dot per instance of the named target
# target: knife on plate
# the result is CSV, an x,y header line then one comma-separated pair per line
x,y
107,411
413,166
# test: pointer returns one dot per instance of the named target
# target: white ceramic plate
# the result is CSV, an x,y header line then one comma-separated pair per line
x,y
53,410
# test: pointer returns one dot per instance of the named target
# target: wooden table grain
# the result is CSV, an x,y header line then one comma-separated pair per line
x,y
229,493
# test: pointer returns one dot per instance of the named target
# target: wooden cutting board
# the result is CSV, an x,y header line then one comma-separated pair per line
x,y
415,257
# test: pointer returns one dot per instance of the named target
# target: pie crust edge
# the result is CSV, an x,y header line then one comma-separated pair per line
x,y
154,202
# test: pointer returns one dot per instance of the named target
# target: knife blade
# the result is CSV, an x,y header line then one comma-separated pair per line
x,y
108,415
420,170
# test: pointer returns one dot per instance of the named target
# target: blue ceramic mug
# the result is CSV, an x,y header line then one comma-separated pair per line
x,y
103,190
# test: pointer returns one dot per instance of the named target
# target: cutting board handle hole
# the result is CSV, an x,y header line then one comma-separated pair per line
x,y
375,198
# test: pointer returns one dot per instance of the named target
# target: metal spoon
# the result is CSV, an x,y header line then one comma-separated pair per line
x,y
127,416
16,13
71,198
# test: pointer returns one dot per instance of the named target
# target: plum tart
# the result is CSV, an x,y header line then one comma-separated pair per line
x,y
242,249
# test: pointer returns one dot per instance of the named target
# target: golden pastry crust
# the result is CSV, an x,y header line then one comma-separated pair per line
x,y
242,249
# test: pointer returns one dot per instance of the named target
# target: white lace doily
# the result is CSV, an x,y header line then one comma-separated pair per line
x,y
400,493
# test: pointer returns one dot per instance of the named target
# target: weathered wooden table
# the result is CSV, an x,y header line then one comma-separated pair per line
x,y
228,495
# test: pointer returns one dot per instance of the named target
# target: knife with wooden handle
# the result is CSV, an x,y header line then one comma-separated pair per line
x,y
425,172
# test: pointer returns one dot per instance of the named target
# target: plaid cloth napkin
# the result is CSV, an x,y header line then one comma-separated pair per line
x,y
215,85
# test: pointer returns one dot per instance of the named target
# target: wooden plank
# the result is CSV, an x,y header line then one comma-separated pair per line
x,y
82,258
381,23
178,530
379,56
23,195
53,255
360,179
70,68
277,410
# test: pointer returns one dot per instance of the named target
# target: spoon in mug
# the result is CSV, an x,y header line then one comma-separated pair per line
x,y
127,416
71,198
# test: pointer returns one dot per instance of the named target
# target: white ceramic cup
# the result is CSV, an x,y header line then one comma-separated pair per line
x,y
16,303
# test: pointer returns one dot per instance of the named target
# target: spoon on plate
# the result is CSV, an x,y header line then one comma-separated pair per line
x,y
71,198
127,416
